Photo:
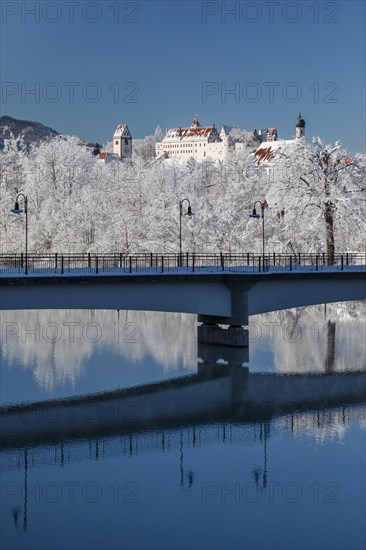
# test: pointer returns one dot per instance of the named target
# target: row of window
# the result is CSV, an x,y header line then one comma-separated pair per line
x,y
174,146
183,152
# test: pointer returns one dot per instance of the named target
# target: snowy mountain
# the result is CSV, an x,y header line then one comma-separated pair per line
x,y
31,132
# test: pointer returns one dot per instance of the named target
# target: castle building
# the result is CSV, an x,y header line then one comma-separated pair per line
x,y
203,142
197,142
206,143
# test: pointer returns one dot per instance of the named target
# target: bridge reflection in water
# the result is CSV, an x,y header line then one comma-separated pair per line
x,y
221,391
221,403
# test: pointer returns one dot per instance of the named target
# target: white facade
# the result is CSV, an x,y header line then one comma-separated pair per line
x,y
122,142
206,143
197,142
300,132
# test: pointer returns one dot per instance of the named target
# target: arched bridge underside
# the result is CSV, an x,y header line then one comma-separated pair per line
x,y
224,298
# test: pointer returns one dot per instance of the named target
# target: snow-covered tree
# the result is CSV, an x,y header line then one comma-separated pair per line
x,y
77,203
145,148
320,196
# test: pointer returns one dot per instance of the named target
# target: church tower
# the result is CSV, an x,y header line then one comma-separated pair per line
x,y
300,127
122,142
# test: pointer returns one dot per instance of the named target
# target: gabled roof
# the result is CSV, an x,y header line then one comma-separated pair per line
x,y
188,133
122,131
195,131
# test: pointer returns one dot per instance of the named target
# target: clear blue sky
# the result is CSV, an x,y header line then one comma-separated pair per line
x,y
96,64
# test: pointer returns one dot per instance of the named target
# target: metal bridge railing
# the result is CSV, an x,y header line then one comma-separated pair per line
x,y
84,264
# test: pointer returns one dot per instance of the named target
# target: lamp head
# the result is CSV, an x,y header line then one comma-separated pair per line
x,y
254,214
16,209
189,211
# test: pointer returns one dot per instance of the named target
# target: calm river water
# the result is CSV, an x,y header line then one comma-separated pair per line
x,y
119,431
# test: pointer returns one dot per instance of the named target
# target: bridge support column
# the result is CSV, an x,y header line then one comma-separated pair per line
x,y
235,335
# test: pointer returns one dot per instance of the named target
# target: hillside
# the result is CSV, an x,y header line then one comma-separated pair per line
x,y
31,132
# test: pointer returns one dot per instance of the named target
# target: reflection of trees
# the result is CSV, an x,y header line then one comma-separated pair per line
x,y
61,343
330,341
314,339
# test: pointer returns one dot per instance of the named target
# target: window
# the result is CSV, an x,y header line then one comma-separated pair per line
x,y
126,141
117,142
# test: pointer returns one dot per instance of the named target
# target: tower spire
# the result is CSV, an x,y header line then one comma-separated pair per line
x,y
195,123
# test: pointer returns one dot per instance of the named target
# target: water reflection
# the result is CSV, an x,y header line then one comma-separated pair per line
x,y
318,339
245,426
56,348
184,439
56,345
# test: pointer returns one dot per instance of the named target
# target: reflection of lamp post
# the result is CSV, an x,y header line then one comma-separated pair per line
x,y
17,210
188,213
258,472
255,215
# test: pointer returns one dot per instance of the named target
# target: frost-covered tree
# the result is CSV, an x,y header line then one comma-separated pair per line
x,y
320,196
145,148
13,174
77,203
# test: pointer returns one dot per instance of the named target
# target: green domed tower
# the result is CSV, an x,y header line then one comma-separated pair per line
x,y
300,127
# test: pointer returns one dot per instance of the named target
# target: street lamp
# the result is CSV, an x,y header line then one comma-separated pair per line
x,y
188,213
257,216
17,210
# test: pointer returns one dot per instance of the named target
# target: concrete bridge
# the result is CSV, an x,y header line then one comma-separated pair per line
x,y
217,298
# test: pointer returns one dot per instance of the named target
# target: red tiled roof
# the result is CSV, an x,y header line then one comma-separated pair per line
x,y
200,131
264,153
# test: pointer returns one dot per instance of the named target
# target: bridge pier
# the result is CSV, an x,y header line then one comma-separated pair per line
x,y
235,335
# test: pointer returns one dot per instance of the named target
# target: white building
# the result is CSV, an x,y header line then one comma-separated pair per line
x,y
197,142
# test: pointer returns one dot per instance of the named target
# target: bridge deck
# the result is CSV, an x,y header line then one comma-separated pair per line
x,y
230,296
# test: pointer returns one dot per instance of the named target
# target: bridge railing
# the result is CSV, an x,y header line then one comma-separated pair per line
x,y
120,263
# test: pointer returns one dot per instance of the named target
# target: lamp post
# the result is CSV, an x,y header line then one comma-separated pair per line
x,y
17,210
257,216
188,213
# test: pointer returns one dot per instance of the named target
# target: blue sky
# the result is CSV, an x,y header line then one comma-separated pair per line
x,y
92,65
